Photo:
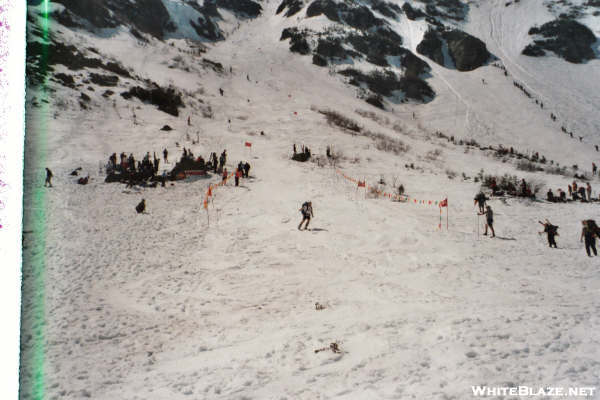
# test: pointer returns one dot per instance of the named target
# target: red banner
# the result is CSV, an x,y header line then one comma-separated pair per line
x,y
248,144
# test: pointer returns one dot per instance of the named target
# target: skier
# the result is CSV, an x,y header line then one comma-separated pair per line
x,y
480,199
49,176
550,196
141,207
246,169
307,214
551,231
489,220
594,167
165,155
588,232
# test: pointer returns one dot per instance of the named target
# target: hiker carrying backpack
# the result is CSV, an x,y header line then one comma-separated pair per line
x,y
551,232
307,214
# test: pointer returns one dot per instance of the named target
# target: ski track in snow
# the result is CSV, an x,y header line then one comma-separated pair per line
x,y
167,305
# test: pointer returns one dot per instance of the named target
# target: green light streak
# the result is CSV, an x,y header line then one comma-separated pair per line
x,y
34,215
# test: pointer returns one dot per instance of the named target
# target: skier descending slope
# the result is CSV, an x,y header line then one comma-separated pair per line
x,y
307,214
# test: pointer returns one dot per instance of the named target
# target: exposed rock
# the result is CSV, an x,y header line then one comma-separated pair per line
x,y
65,80
298,42
385,83
412,13
166,128
359,17
566,38
205,27
107,93
246,8
104,80
167,100
318,60
148,16
467,52
293,7
85,97
431,46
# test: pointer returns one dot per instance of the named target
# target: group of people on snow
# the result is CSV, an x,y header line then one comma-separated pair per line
x,y
576,192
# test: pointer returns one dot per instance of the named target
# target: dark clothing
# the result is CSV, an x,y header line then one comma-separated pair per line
x,y
141,207
246,170
590,244
307,213
49,176
480,200
551,231
589,236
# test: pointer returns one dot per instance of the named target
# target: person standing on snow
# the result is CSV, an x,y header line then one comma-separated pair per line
x,y
165,155
49,176
238,174
588,233
489,220
588,189
480,199
551,231
307,214
224,176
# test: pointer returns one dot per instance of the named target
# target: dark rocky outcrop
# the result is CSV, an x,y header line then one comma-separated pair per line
x,y
376,46
467,52
298,41
567,38
385,83
431,46
293,7
385,8
359,17
148,16
320,61
412,13
446,9
207,28
104,80
65,80
243,8
167,99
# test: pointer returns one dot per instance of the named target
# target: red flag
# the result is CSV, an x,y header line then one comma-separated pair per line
x,y
209,191
205,203
361,184
248,144
444,203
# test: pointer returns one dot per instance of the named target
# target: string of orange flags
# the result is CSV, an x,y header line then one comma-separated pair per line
x,y
209,191
393,196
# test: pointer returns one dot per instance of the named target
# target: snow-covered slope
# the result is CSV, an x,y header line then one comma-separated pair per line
x,y
220,304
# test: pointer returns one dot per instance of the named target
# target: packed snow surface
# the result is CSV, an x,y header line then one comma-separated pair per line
x,y
181,303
